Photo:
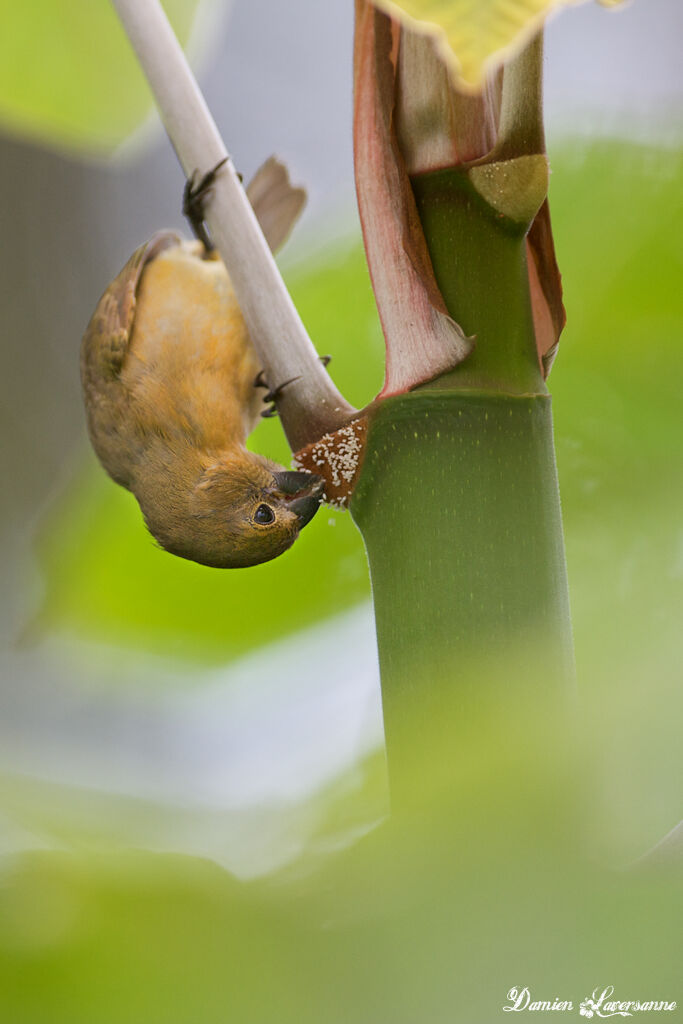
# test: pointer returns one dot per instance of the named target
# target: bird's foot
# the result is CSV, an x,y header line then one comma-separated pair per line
x,y
197,190
272,394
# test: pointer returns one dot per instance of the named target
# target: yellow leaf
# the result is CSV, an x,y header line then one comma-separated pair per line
x,y
472,35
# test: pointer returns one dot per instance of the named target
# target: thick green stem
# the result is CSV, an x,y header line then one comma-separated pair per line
x,y
459,509
458,500
479,259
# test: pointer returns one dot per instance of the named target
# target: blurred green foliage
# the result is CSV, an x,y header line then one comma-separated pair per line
x,y
618,223
68,76
431,918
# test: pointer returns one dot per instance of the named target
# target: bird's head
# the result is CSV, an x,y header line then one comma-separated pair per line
x,y
241,511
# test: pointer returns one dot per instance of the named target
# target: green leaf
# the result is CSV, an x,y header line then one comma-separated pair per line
x,y
68,76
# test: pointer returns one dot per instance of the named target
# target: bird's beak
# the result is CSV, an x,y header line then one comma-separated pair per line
x,y
303,493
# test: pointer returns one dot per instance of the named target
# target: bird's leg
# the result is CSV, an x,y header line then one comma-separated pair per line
x,y
195,195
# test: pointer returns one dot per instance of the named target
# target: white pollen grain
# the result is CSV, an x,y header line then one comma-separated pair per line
x,y
340,456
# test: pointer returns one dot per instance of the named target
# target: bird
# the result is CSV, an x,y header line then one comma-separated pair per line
x,y
172,388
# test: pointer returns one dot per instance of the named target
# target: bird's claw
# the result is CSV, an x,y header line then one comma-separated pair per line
x,y
195,194
273,394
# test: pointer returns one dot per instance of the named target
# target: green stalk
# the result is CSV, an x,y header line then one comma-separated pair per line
x,y
479,260
458,505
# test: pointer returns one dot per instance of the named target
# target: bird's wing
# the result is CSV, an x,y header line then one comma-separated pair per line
x,y
277,204
107,336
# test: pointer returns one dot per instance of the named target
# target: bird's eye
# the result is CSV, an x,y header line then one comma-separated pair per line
x,y
264,515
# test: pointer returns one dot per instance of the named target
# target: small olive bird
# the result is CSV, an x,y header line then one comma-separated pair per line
x,y
173,387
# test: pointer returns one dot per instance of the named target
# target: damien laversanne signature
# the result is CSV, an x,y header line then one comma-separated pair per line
x,y
600,1004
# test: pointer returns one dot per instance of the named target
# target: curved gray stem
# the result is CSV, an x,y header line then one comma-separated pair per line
x,y
312,405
